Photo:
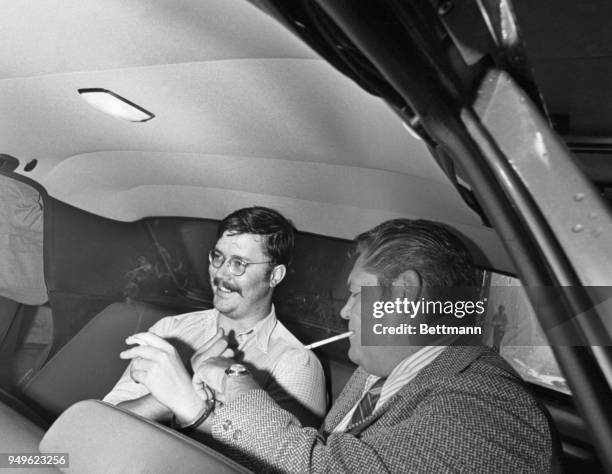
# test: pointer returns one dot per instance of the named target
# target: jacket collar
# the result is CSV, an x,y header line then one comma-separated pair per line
x,y
452,361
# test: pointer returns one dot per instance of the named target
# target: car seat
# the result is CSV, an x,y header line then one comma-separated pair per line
x,y
88,366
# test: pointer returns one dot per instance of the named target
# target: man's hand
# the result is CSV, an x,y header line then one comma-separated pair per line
x,y
157,365
212,373
216,346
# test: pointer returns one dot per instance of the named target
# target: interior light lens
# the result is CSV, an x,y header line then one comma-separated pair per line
x,y
115,105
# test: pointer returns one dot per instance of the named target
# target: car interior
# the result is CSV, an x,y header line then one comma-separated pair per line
x,y
489,116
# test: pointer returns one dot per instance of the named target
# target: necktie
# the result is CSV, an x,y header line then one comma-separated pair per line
x,y
368,402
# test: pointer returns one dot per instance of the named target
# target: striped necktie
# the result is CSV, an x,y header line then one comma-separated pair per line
x,y
368,402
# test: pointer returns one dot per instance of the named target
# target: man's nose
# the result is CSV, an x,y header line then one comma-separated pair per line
x,y
346,310
223,271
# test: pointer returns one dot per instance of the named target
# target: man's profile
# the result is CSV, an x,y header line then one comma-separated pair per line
x,y
248,261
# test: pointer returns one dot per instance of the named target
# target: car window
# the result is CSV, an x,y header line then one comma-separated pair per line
x,y
512,326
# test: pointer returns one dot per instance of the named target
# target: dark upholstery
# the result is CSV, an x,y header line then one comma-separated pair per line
x,y
88,366
337,374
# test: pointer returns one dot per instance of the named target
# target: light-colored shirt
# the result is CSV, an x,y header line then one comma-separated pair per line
x,y
276,358
403,373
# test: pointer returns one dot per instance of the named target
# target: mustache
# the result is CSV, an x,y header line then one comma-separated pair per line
x,y
219,282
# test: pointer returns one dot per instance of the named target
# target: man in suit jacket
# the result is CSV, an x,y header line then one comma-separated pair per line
x,y
405,409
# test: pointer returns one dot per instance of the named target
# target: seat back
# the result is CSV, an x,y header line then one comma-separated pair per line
x,y
101,438
18,434
88,366
339,374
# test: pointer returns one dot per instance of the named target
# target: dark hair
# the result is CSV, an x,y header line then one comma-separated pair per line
x,y
278,231
428,248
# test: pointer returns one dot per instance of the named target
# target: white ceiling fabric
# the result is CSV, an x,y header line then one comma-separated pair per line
x,y
244,114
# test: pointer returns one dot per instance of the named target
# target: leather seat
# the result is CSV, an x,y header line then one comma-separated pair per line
x,y
18,434
101,438
88,366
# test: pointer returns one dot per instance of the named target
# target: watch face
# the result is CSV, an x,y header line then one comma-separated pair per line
x,y
235,370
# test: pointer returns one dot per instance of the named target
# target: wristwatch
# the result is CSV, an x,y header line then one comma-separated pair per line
x,y
236,370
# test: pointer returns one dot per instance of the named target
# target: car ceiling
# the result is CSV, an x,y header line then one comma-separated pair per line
x,y
245,114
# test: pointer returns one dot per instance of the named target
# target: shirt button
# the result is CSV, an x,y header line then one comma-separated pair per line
x,y
236,435
226,425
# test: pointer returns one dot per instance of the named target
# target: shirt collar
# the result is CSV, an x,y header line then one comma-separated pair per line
x,y
411,365
260,332
263,330
417,361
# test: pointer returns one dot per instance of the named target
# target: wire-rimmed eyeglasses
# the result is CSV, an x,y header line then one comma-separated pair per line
x,y
236,265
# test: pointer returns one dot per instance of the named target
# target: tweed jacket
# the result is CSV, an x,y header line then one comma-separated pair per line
x,y
466,412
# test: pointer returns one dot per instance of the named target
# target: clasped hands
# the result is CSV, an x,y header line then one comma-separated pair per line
x,y
157,365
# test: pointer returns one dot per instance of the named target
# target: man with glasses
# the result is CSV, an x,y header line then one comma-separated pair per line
x,y
253,249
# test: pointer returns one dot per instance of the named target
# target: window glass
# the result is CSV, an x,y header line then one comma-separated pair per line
x,y
513,327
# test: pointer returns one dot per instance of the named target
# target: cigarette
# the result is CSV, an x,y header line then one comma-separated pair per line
x,y
344,335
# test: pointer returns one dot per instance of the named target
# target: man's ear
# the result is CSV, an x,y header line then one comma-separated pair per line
x,y
277,274
407,285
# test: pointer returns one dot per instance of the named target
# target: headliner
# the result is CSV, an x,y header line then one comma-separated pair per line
x,y
245,114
